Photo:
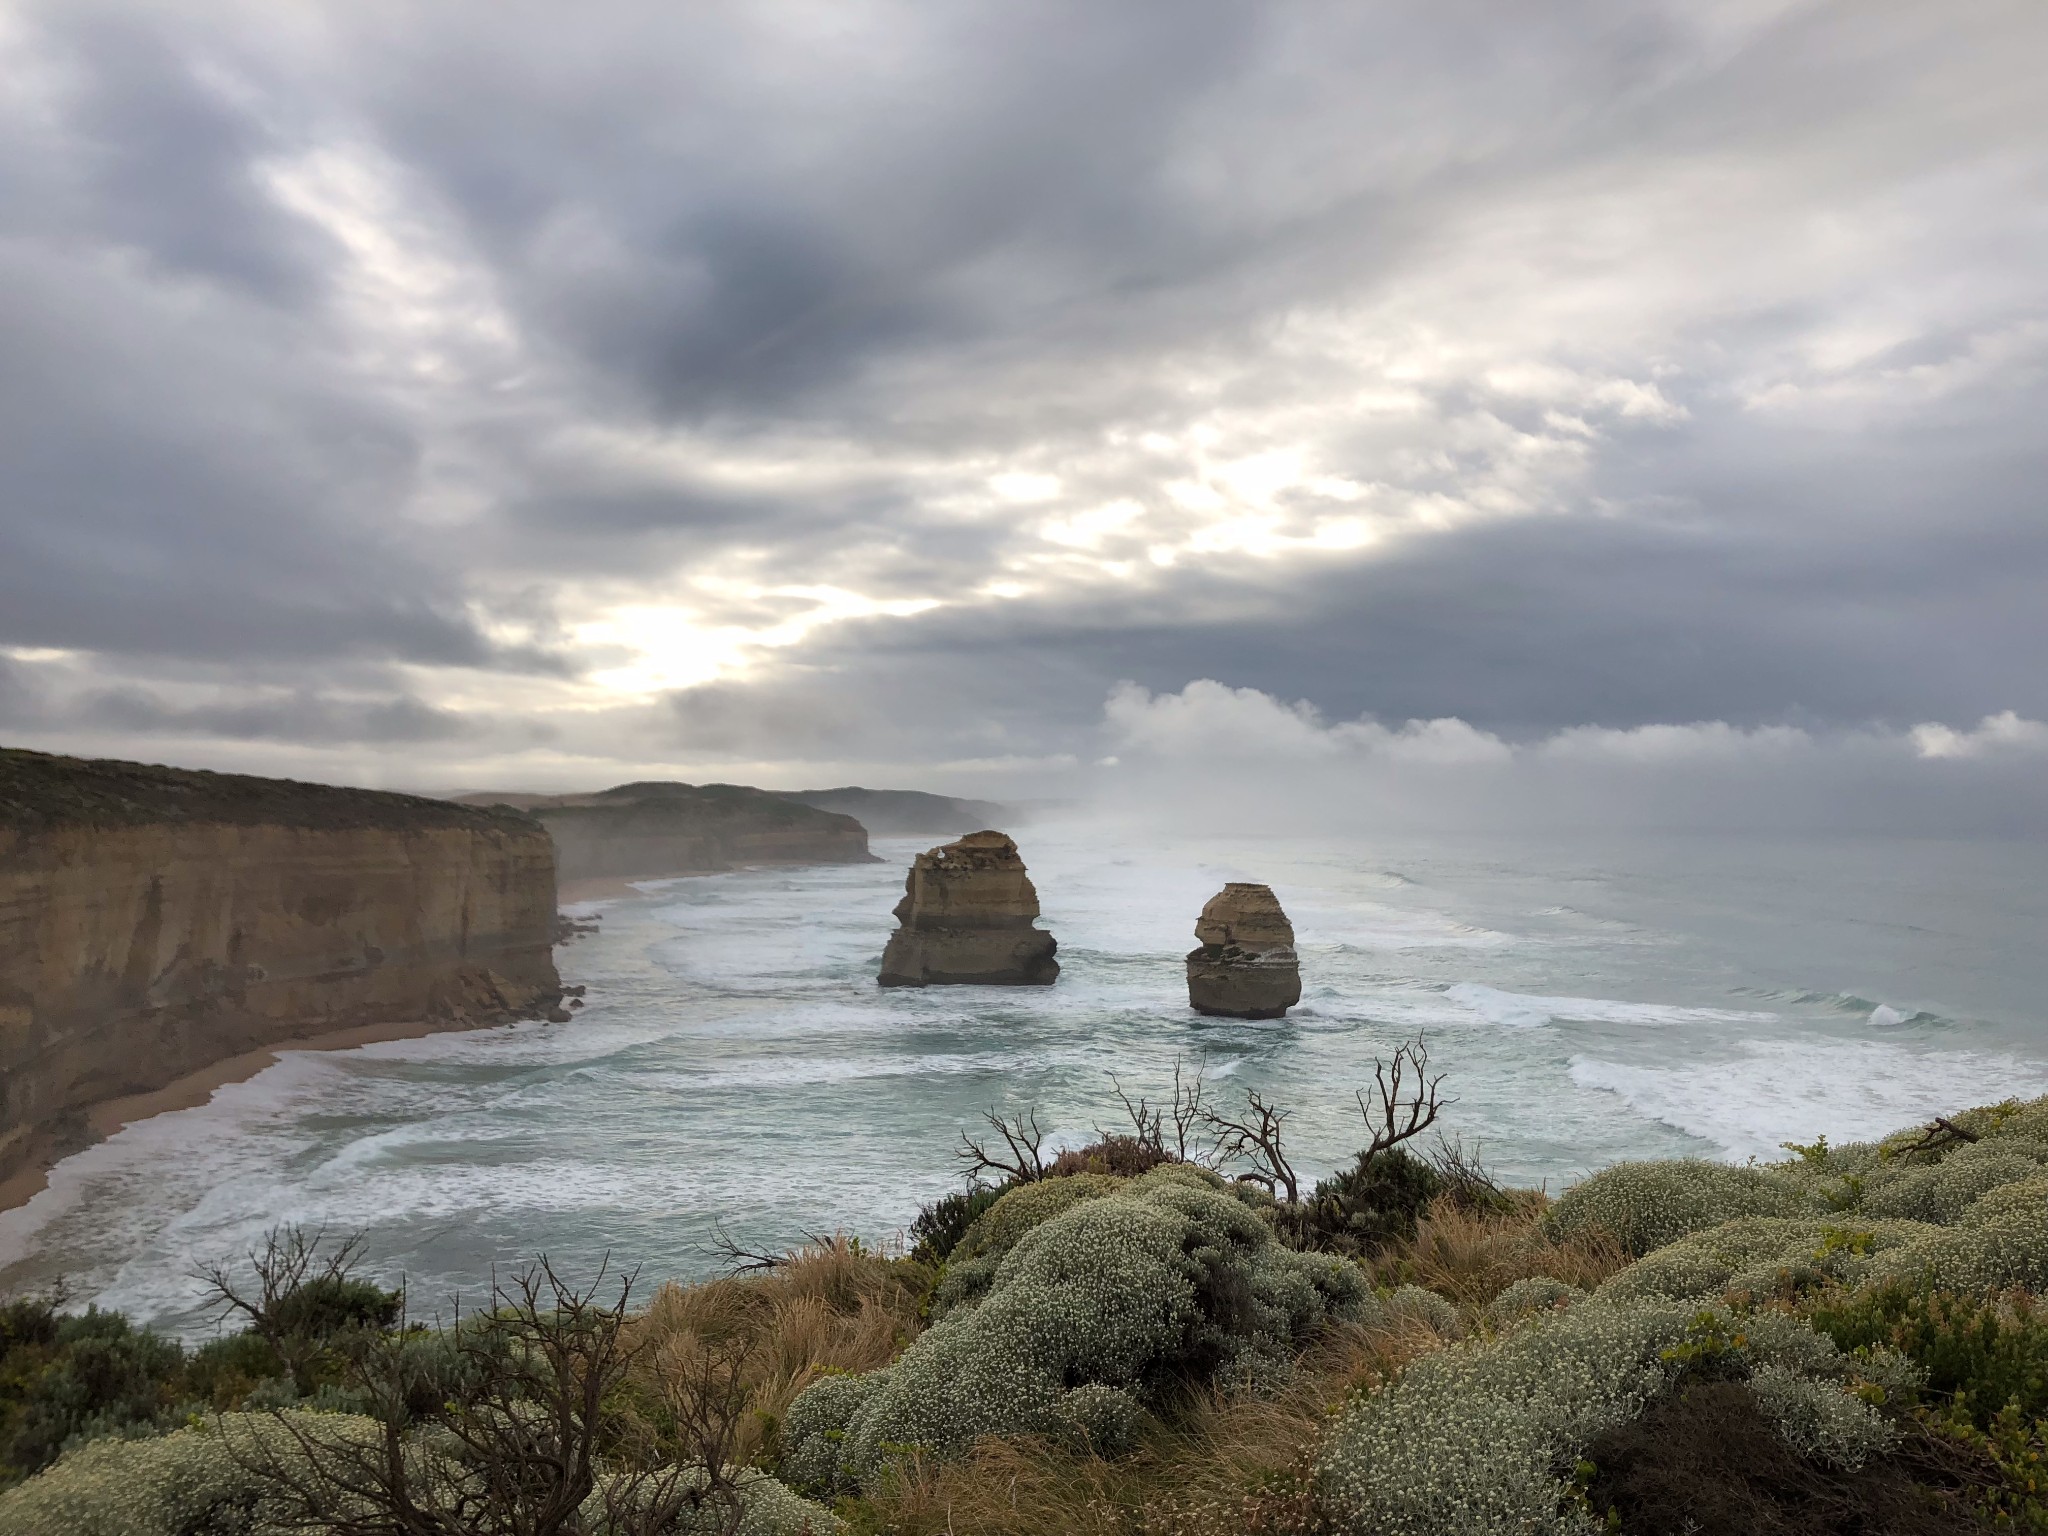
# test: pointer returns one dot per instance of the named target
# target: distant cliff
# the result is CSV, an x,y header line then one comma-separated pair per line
x,y
154,921
895,812
663,828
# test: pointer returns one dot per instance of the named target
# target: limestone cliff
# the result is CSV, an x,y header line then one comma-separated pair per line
x,y
1245,967
967,919
901,812
658,828
155,921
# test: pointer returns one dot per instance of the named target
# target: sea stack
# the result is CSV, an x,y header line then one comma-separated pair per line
x,y
965,920
1246,967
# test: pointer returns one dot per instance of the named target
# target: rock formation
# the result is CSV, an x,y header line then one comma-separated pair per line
x,y
155,921
966,920
902,812
647,830
1246,967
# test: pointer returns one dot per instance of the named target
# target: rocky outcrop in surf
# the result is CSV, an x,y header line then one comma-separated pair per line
x,y
967,919
1245,967
154,921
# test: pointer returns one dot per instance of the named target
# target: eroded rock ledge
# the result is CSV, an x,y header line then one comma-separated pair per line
x,y
154,921
1245,966
967,918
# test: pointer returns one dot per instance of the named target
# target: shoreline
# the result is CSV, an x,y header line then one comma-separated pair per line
x,y
103,1119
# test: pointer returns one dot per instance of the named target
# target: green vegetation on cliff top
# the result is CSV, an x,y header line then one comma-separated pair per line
x,y
40,791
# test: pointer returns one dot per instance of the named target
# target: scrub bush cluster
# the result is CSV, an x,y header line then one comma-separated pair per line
x,y
1094,1313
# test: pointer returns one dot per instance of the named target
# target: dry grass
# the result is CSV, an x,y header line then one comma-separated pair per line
x,y
828,1307
1216,1466
1472,1256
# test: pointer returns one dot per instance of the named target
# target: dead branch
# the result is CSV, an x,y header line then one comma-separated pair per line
x,y
283,1274
1938,1137
1021,1134
1406,1099
517,1452
1147,1123
740,1260
1255,1138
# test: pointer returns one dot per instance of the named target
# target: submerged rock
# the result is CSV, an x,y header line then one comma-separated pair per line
x,y
966,919
1246,967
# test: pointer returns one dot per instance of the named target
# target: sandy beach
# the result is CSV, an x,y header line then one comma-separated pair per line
x,y
195,1088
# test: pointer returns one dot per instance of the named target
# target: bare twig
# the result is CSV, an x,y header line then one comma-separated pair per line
x,y
292,1265
1147,1122
741,1260
1021,1134
518,1449
1255,1138
1406,1099
1942,1134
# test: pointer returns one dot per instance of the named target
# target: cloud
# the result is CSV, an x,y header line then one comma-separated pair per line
x,y
879,384
1278,765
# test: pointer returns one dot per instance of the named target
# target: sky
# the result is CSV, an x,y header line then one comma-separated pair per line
x,y
1032,398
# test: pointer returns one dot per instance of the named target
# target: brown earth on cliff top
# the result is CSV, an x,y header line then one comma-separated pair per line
x,y
1246,967
154,921
657,828
966,919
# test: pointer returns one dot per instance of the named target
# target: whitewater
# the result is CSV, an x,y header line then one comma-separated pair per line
x,y
736,1070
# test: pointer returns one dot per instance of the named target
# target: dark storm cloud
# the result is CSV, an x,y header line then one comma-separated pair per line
x,y
1687,361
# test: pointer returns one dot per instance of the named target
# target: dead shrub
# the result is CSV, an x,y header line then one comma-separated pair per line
x,y
1471,1255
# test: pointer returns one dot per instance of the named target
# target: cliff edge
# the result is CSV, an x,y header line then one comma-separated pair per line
x,y
154,921
646,830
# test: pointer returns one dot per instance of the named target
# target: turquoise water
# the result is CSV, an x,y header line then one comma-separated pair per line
x,y
735,1065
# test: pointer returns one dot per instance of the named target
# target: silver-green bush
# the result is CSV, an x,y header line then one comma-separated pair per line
x,y
1168,1276
1759,1253
196,1482
1538,1293
1999,1240
1468,1440
971,1267
1646,1205
1412,1302
1819,1420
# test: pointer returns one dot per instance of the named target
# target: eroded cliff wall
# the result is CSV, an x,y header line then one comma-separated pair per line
x,y
154,921
661,828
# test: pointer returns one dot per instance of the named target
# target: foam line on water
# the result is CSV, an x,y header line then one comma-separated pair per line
x,y
1773,1091
1524,1010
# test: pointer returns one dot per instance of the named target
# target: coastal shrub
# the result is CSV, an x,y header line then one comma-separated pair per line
x,y
1413,1303
1941,1193
973,1264
940,1226
1819,1420
1538,1293
1646,1205
765,1507
1166,1279
1982,1364
1707,1460
1999,1240
83,1377
1765,1255
1365,1207
195,1482
1123,1156
1470,1439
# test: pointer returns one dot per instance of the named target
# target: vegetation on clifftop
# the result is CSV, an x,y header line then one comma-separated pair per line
x,y
41,792
1163,1332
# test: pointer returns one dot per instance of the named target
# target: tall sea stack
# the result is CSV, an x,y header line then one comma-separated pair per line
x,y
966,920
1246,967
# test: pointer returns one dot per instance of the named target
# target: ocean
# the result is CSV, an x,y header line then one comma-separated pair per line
x,y
737,1071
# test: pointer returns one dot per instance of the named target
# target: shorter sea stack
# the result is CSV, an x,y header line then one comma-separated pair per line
x,y
965,920
1246,967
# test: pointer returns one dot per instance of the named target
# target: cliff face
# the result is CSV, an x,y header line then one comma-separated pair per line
x,y
653,829
967,919
895,812
153,922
